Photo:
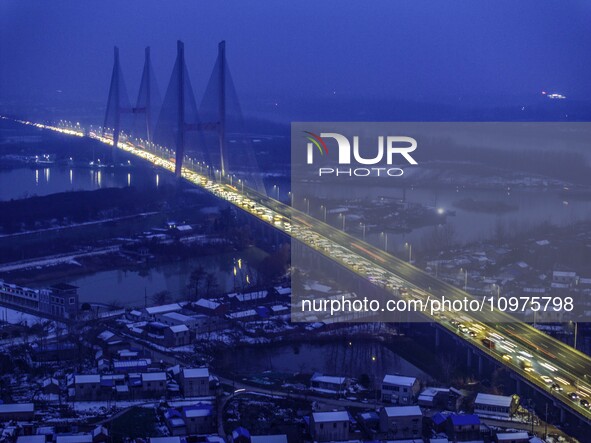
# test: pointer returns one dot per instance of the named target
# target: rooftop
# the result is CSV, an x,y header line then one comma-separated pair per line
x,y
402,411
399,380
322,417
493,400
196,372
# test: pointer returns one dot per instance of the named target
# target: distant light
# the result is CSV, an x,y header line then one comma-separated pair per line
x,y
440,211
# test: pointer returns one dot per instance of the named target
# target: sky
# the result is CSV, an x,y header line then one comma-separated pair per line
x,y
281,52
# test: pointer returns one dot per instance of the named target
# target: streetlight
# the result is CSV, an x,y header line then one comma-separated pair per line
x,y
324,207
385,234
409,246
343,216
276,187
576,331
363,227
307,205
465,271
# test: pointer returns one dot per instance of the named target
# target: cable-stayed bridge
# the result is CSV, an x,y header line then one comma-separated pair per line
x,y
191,142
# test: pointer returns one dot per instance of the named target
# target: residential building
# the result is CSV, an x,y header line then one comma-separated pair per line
x,y
495,405
199,419
330,426
16,411
400,389
153,384
195,382
463,427
512,437
328,384
399,422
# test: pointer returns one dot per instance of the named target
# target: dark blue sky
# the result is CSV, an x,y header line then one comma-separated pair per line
x,y
280,51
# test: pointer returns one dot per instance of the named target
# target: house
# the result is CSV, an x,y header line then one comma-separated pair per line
x,y
434,398
176,318
195,382
399,422
463,427
199,419
175,422
207,306
328,384
87,387
151,312
153,384
240,435
100,434
17,411
495,405
330,426
568,278
51,386
177,335
512,437
399,389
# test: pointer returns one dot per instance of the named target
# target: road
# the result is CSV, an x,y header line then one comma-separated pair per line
x,y
537,357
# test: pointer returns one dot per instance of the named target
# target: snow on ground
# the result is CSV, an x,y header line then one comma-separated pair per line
x,y
16,317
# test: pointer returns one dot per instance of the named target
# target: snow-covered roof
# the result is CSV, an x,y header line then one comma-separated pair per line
x,y
196,372
283,291
328,379
511,436
278,308
207,304
177,316
153,310
153,376
105,335
493,400
179,328
165,440
16,407
399,380
249,296
243,314
402,411
31,439
197,411
89,378
184,228
564,274
322,417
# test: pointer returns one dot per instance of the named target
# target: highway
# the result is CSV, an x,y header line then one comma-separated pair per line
x,y
554,367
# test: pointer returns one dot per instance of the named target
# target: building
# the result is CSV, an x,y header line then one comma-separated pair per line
x,y
512,437
328,384
195,382
330,426
199,419
400,422
153,384
400,389
568,278
151,312
463,427
434,398
17,411
178,335
60,300
176,318
87,387
495,405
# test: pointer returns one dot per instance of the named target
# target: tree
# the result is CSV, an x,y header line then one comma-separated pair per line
x,y
195,281
211,284
162,297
